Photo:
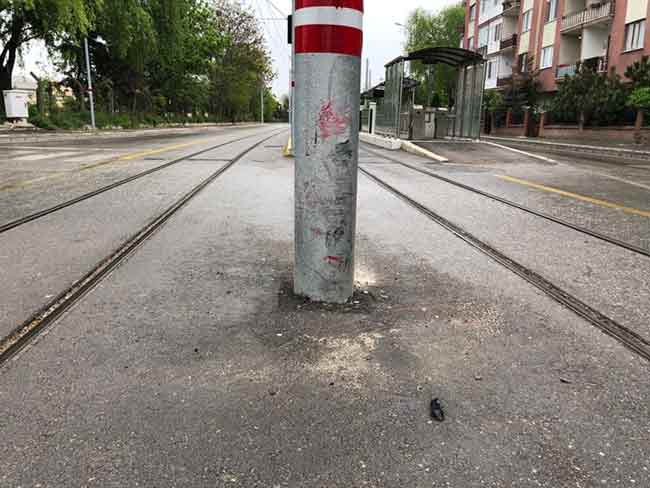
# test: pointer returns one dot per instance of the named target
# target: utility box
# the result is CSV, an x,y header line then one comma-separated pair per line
x,y
16,104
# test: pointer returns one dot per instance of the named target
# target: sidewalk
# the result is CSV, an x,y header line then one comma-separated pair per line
x,y
193,365
22,136
606,148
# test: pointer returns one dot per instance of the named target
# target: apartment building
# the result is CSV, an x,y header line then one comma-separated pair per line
x,y
554,36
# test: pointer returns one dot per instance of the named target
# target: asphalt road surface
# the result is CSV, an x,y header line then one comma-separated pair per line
x,y
190,363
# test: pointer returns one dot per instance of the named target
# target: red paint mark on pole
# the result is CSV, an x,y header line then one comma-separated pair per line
x,y
330,123
334,259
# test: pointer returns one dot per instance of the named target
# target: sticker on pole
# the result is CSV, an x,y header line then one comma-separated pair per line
x,y
329,26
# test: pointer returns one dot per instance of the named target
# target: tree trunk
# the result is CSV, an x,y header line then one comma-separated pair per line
x,y
638,124
51,99
581,122
40,94
8,59
5,84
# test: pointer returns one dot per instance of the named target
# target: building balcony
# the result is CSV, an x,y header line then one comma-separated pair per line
x,y
600,63
503,82
509,43
594,14
566,70
511,8
482,50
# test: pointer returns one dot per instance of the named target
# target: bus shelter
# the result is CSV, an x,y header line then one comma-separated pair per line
x,y
399,117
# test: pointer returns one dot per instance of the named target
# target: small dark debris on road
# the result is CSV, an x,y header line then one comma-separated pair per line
x,y
437,413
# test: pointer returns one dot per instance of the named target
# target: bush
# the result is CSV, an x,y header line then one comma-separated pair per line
x,y
640,99
639,73
41,122
493,101
600,98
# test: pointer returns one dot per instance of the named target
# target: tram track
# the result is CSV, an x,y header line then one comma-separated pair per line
x,y
86,196
583,230
26,332
627,337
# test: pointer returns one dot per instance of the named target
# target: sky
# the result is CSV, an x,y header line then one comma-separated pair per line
x,y
383,40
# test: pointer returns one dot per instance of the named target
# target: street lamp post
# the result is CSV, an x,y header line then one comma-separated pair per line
x,y
91,96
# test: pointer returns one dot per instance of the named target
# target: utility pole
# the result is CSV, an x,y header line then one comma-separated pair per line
x,y
367,74
91,97
262,103
328,38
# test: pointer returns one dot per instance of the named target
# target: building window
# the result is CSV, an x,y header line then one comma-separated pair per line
x,y
526,20
547,57
472,13
634,35
551,10
497,32
470,43
484,5
523,63
483,36
491,69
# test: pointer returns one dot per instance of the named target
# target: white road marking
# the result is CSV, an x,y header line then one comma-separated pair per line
x,y
525,153
41,156
54,148
622,180
90,158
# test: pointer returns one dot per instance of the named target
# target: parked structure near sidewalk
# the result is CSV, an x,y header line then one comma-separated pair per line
x,y
395,114
556,35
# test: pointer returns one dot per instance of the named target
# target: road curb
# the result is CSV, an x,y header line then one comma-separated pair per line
x,y
393,144
9,138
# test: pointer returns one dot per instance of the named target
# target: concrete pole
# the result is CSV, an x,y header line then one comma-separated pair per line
x,y
91,96
328,38
293,78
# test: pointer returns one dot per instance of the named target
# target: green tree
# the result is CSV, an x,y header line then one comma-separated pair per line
x,y
523,91
639,99
493,101
639,73
24,20
166,60
442,29
241,66
591,97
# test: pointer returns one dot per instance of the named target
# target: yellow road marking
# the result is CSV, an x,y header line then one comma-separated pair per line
x,y
595,201
128,157
142,154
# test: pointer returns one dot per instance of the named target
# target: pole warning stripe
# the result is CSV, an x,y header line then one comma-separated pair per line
x,y
334,39
353,4
328,16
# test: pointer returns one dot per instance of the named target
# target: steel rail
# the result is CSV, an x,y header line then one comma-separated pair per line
x,y
42,213
25,333
622,334
610,240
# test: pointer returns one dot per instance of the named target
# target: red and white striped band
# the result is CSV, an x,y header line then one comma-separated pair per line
x,y
329,26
